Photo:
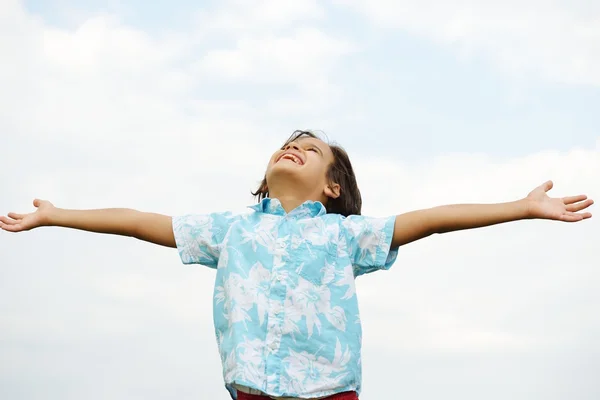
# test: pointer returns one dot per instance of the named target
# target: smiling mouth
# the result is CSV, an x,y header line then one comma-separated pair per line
x,y
292,158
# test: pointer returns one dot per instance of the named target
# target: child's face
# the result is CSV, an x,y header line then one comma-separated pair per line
x,y
304,162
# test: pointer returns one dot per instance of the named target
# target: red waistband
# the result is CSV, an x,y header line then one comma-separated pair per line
x,y
339,396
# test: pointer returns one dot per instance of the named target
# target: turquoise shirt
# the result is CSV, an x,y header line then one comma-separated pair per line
x,y
285,308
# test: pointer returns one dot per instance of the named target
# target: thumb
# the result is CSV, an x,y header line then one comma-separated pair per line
x,y
37,203
547,185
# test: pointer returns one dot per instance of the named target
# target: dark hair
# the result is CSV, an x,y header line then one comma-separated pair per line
x,y
340,171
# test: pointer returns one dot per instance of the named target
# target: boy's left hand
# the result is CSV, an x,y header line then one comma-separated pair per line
x,y
566,209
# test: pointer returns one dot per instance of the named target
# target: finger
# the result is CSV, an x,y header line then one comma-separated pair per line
x,y
11,228
15,215
579,206
571,217
8,221
574,199
575,217
547,185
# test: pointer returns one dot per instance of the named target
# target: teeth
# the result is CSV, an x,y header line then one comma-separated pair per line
x,y
292,157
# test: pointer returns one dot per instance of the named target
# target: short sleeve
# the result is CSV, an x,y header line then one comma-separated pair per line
x,y
199,237
368,242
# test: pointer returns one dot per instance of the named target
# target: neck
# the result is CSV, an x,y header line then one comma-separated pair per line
x,y
291,201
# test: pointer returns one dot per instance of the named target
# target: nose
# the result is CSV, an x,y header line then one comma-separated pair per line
x,y
292,145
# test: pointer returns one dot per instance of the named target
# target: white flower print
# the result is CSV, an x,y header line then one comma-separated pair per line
x,y
297,241
328,273
337,317
310,300
355,226
372,242
347,279
229,366
251,356
291,317
233,296
340,359
257,284
225,254
342,251
263,233
313,230
307,372
241,295
333,231
291,384
223,258
262,238
267,224
198,230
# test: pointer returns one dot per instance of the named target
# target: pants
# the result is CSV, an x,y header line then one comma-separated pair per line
x,y
339,396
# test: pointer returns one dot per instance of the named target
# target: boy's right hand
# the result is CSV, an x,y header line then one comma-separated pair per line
x,y
14,222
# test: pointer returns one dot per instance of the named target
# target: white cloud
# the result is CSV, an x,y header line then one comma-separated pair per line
x,y
263,16
306,55
107,115
558,41
271,44
102,77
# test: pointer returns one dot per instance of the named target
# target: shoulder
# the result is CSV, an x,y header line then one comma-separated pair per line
x,y
208,220
364,224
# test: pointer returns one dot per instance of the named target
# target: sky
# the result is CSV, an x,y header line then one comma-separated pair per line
x,y
177,108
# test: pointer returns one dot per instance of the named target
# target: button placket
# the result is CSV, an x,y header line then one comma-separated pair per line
x,y
276,299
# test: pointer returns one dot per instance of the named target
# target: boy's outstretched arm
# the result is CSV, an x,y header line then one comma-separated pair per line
x,y
149,227
416,225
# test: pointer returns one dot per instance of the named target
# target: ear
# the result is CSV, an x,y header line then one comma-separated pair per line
x,y
332,190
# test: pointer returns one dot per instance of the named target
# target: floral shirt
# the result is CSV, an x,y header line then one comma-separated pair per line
x,y
285,309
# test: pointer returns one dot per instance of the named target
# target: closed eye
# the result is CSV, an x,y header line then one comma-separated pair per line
x,y
316,149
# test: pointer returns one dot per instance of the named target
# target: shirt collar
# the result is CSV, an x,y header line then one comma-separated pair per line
x,y
307,209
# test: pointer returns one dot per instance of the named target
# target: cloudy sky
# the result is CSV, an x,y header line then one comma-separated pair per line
x,y
176,109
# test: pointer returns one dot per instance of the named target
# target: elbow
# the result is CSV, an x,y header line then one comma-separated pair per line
x,y
135,227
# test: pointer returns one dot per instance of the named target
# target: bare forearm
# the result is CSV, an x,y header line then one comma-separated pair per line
x,y
416,225
154,228
469,216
